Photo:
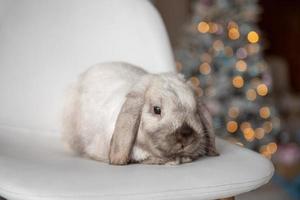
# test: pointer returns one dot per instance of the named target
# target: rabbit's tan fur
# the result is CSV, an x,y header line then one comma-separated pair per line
x,y
109,117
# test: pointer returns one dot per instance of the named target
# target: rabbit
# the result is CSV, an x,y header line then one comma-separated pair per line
x,y
119,113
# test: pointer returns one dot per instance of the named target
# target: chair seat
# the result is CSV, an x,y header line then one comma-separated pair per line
x,y
36,166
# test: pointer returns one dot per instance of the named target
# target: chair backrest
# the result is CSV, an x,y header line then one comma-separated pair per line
x,y
46,44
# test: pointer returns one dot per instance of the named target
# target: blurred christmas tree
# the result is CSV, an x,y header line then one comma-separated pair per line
x,y
222,56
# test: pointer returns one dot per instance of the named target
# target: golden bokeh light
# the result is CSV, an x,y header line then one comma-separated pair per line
x,y
234,33
267,126
249,134
203,27
264,151
264,112
262,89
253,37
204,68
233,112
245,125
195,81
251,94
232,126
238,82
259,133
241,65
272,147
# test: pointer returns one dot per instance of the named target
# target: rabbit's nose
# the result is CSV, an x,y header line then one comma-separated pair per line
x,y
186,131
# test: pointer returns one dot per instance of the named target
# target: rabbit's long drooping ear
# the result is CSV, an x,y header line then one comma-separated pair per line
x,y
207,124
127,125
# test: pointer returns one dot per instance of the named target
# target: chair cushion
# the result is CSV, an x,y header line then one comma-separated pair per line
x,y
35,166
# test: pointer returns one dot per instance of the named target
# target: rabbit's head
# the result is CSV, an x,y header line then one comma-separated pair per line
x,y
163,115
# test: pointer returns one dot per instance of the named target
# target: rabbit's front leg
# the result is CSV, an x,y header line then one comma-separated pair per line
x,y
154,161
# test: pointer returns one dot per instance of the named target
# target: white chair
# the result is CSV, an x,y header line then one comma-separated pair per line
x,y
44,45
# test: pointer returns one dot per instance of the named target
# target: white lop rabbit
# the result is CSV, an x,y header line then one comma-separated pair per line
x,y
119,113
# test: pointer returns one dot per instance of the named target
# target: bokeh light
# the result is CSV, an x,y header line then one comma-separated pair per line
x,y
238,82
218,45
241,53
264,112
205,57
262,89
203,27
213,27
233,112
251,94
195,81
245,125
232,126
249,134
241,65
272,147
233,34
267,126
252,37
204,68
259,133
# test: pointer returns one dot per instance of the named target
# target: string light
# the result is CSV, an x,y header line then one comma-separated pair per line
x,y
203,27
264,112
262,89
251,94
195,81
233,34
232,126
204,68
233,112
238,82
252,37
241,65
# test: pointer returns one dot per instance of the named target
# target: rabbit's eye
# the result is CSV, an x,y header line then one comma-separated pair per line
x,y
157,110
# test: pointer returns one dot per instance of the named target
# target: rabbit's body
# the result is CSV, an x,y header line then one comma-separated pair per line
x,y
99,94
119,113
